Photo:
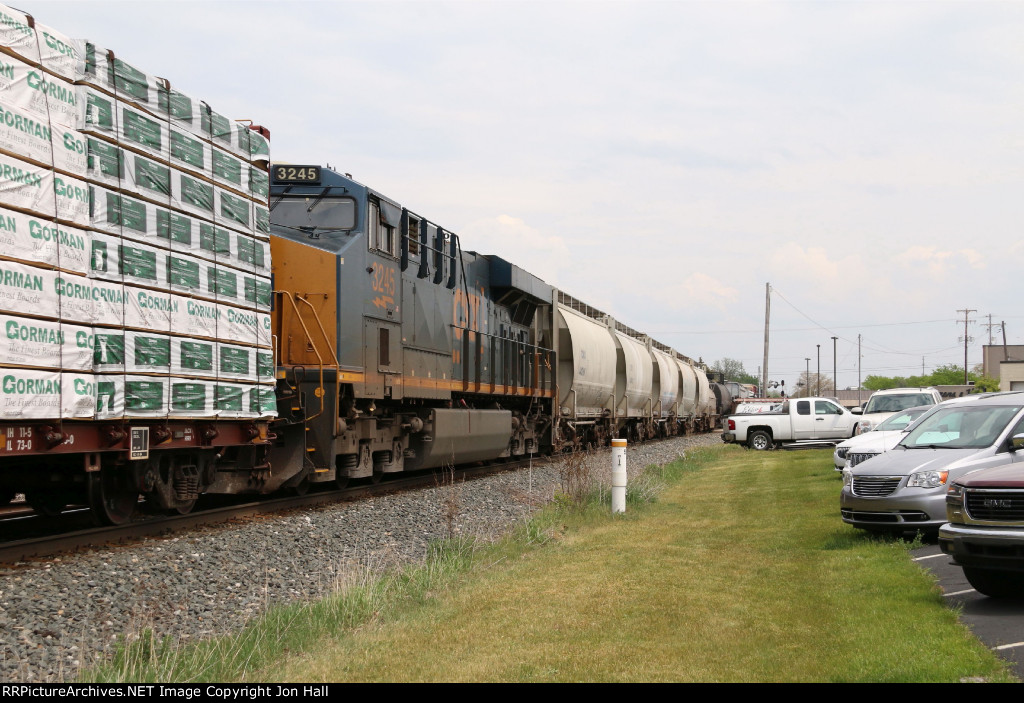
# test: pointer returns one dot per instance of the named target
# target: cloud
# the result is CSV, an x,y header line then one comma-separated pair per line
x,y
940,262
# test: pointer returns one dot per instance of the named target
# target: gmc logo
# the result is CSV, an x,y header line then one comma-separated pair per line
x,y
997,503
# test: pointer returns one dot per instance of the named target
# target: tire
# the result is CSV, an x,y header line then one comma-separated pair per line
x,y
996,584
760,440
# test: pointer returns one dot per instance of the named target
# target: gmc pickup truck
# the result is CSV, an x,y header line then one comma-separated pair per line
x,y
800,420
985,533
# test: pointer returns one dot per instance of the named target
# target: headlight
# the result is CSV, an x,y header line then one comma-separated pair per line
x,y
841,452
928,479
865,426
847,476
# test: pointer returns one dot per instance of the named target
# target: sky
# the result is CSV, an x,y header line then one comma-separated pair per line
x,y
661,161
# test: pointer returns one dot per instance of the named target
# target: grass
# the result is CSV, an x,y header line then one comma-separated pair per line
x,y
729,565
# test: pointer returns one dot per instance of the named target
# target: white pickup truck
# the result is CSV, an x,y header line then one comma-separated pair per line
x,y
799,420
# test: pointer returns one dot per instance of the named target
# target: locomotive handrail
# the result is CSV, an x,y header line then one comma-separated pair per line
x,y
334,358
309,338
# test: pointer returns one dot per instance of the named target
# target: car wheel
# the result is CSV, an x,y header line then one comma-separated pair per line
x,y
759,440
996,584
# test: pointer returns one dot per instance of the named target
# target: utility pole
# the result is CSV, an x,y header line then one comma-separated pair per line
x,y
990,325
835,376
967,339
818,375
767,312
858,370
807,375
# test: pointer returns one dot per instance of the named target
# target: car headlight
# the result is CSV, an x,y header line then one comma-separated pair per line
x,y
865,426
928,479
847,476
841,452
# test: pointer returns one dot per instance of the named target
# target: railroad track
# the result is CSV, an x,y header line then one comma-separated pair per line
x,y
74,535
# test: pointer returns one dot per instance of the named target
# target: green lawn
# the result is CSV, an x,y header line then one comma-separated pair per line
x,y
741,570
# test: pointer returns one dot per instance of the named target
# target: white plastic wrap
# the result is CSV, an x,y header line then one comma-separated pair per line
x,y
26,341
38,240
29,88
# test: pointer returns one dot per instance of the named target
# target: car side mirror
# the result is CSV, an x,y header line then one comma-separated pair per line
x,y
857,410
1016,442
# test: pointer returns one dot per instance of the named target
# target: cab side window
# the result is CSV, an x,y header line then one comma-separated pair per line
x,y
823,407
380,235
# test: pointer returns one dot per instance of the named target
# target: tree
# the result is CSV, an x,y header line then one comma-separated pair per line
x,y
945,375
813,384
733,370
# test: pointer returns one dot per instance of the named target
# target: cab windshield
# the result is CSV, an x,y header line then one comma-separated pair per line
x,y
959,427
313,215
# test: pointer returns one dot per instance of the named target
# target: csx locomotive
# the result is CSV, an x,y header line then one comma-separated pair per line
x,y
396,350
399,350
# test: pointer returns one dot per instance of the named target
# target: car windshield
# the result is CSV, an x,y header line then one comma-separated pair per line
x,y
895,403
958,427
900,420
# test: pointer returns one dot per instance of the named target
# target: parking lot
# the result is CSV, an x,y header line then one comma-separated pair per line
x,y
997,622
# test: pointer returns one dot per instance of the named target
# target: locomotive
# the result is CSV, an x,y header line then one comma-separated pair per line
x,y
395,350
398,350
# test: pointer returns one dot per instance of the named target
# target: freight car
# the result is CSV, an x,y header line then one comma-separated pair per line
x,y
398,350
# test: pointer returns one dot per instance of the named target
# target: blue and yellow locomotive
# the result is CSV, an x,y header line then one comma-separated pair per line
x,y
397,350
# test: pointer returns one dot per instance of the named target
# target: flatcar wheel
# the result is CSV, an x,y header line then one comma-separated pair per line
x,y
340,482
376,476
302,488
185,508
112,500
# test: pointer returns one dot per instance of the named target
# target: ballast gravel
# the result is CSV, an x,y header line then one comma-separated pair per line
x,y
62,614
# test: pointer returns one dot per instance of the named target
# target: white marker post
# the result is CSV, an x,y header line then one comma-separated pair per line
x,y
618,476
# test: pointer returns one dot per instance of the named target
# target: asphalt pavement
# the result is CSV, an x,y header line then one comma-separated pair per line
x,y
997,622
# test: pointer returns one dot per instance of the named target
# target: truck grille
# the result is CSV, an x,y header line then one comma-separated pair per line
x,y
857,457
996,505
875,486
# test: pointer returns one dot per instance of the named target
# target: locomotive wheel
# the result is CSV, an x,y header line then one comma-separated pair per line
x,y
185,508
340,481
112,499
